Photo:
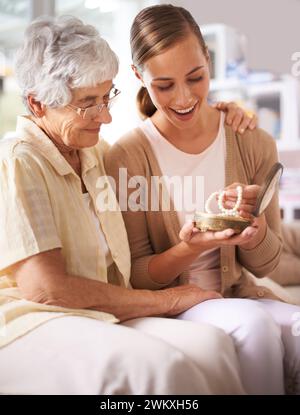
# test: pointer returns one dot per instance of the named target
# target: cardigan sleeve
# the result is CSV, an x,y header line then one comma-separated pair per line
x,y
288,270
133,204
262,259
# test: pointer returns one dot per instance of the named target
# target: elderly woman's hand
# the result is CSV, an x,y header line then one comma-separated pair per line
x,y
180,299
43,278
239,119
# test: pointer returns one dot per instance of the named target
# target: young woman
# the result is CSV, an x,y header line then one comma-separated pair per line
x,y
183,136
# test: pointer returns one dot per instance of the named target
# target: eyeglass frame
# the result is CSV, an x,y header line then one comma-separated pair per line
x,y
82,111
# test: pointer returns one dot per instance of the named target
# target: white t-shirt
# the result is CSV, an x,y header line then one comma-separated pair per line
x,y
102,241
190,193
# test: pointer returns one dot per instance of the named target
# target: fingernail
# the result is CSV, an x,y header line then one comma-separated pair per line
x,y
230,232
241,130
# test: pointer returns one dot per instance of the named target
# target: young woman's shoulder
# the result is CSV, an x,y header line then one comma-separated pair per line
x,y
133,138
133,143
130,149
256,149
257,140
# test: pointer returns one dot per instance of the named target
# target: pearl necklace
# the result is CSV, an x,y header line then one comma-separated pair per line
x,y
220,195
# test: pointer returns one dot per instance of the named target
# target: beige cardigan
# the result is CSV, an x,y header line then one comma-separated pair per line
x,y
288,270
249,159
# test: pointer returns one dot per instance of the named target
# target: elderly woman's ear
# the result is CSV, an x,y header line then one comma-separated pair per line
x,y
36,107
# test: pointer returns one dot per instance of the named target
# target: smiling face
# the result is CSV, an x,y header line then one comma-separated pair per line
x,y
177,81
67,128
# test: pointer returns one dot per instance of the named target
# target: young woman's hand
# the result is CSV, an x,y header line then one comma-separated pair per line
x,y
249,199
246,209
239,119
248,239
198,241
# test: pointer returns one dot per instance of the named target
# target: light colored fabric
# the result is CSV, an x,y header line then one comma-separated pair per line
x,y
76,355
249,159
257,340
289,294
288,270
40,207
101,238
294,292
287,317
205,270
287,273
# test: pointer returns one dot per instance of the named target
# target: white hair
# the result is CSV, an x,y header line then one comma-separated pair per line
x,y
61,54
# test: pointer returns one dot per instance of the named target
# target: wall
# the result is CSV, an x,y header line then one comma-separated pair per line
x,y
271,26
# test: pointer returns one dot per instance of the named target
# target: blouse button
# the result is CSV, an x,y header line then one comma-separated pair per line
x,y
224,268
260,293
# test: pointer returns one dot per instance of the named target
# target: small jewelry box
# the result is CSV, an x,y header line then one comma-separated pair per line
x,y
229,218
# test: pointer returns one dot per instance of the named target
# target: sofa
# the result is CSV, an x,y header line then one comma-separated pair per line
x,y
287,273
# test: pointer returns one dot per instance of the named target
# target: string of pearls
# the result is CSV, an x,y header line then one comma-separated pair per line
x,y
220,195
209,200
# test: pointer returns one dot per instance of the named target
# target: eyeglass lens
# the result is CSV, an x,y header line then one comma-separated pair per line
x,y
108,101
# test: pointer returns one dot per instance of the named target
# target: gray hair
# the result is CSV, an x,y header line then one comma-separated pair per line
x,y
61,54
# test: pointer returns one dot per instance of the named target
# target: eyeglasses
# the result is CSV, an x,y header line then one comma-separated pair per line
x,y
90,113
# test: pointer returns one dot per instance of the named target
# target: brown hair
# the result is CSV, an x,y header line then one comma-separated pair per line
x,y
154,30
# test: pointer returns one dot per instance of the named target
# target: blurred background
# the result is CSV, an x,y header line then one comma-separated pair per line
x,y
255,53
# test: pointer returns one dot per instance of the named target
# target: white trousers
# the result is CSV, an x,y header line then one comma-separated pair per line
x,y
78,355
267,346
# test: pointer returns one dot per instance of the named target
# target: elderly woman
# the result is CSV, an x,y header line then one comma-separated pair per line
x,y
65,264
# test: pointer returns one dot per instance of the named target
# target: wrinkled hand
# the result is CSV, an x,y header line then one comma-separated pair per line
x,y
239,119
180,299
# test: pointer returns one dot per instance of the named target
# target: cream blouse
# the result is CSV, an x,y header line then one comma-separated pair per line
x,y
42,208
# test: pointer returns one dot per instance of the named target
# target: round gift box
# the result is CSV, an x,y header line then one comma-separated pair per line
x,y
210,222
